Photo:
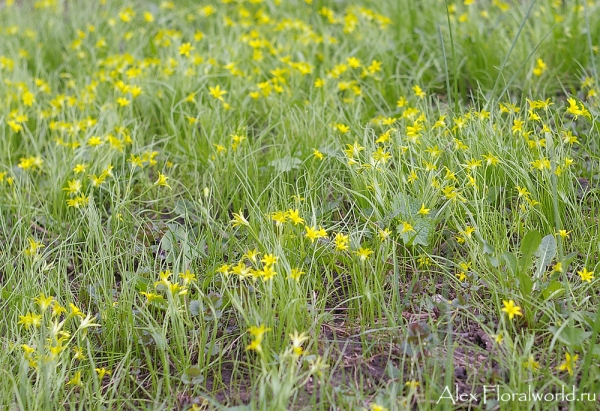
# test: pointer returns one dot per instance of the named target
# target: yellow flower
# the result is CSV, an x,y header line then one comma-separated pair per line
x,y
569,364
522,191
254,345
468,231
217,93
279,217
540,67
423,210
267,272
418,91
185,49
294,216
321,232
94,141
187,277
311,233
341,241
150,297
30,319
239,219
176,289
342,128
76,380
80,200
511,309
224,269
75,312
269,259
297,340
78,353
57,309
79,168
74,187
162,180
384,234
318,155
406,227
252,254
541,164
44,302
490,159
34,246
102,372
412,384
531,363
296,273
136,161
241,269
258,332
27,350
14,126
122,101
363,253
586,275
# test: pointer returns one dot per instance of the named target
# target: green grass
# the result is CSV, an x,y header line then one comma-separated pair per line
x,y
296,205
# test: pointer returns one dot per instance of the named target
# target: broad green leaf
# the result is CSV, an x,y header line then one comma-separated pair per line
x,y
571,336
423,228
141,283
494,261
391,370
553,290
545,254
525,283
286,163
511,261
195,307
403,205
192,376
529,244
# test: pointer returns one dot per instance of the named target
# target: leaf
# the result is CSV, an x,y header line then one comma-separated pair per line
x,y
216,299
211,349
494,261
192,376
511,261
392,371
423,228
529,245
553,290
567,260
186,209
487,248
195,308
545,254
525,283
571,336
141,283
286,163
403,205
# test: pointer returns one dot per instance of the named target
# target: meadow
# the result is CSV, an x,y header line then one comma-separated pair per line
x,y
299,204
